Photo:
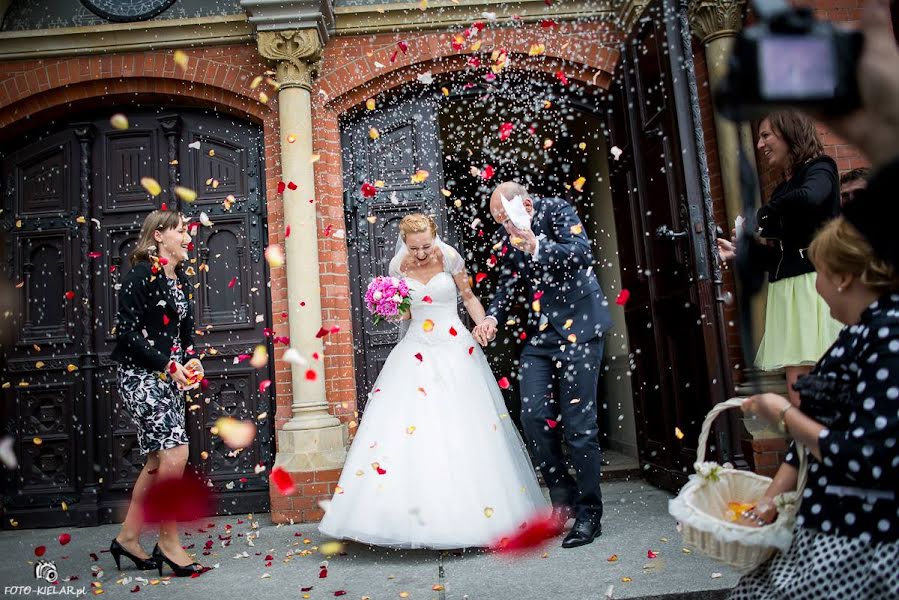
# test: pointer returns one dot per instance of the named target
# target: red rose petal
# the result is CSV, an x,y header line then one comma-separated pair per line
x,y
403,46
488,172
651,554
547,23
283,481
135,589
623,297
177,499
453,332
393,56
264,385
471,350
523,336
427,299
381,471
340,593
419,356
480,277
505,130
323,573
322,332
552,423
64,538
503,383
291,186
304,589
287,232
334,329
40,550
173,368
94,254
281,186
368,190
70,295
538,294
166,320
311,375
532,536
233,282
560,75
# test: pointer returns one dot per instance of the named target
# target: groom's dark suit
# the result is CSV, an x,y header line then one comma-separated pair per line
x,y
560,363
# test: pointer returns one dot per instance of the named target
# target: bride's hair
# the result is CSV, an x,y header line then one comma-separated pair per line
x,y
417,223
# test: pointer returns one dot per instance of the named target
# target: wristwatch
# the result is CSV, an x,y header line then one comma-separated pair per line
x,y
782,423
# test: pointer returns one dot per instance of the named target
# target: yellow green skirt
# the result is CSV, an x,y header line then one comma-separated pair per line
x,y
798,325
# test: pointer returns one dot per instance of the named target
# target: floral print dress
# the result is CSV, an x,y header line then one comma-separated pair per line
x,y
156,405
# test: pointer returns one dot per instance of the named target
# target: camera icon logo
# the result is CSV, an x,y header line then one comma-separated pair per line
x,y
46,570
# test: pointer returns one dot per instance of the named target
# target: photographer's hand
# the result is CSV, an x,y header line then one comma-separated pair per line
x,y
874,128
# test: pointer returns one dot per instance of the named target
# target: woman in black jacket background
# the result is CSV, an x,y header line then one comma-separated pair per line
x,y
798,325
154,336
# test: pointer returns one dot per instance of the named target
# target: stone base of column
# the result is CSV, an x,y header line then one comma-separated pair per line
x,y
311,449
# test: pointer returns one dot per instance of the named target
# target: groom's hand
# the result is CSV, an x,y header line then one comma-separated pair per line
x,y
522,239
484,332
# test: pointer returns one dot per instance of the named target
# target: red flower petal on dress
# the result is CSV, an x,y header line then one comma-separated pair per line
x,y
552,423
40,550
70,295
64,538
166,320
623,297
471,350
419,356
177,499
504,383
283,481
480,277
651,554
453,332
291,185
311,375
533,535
233,282
427,300
281,186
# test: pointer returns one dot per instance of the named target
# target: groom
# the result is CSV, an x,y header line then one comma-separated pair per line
x,y
547,259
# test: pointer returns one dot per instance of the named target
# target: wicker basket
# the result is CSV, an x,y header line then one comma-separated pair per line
x,y
701,505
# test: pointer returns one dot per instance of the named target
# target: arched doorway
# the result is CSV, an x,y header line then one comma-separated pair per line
x,y
73,205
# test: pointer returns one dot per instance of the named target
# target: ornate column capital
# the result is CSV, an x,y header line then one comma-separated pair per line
x,y
296,51
712,19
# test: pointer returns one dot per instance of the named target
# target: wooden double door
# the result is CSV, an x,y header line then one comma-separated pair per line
x,y
662,217
73,205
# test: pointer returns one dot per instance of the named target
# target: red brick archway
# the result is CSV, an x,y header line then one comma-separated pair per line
x,y
350,74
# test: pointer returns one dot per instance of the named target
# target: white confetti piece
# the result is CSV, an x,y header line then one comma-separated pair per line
x,y
194,145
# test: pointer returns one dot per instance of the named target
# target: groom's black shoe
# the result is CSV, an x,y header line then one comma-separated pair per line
x,y
583,532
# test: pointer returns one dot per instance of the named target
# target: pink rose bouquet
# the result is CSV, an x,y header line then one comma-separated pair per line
x,y
387,298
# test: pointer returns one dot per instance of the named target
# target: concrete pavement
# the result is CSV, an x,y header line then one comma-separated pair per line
x,y
636,521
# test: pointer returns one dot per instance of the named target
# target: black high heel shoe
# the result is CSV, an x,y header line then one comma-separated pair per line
x,y
194,568
117,551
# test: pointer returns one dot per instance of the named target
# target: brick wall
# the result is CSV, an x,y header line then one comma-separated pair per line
x,y
765,455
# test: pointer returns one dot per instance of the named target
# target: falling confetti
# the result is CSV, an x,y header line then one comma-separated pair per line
x,y
579,183
678,433
283,481
186,194
274,255
119,121
504,383
623,297
151,185
181,59
368,190
234,432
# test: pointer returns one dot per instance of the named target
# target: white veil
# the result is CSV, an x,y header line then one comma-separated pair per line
x,y
452,264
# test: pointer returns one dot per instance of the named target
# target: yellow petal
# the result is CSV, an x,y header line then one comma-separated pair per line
x,y
577,229
678,433
370,104
119,121
373,133
428,325
181,59
151,185
186,194
572,338
568,324
579,183
488,512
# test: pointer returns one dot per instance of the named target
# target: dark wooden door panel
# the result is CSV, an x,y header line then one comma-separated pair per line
x,y
407,142
73,207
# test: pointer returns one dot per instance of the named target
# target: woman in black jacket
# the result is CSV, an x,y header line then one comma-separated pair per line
x,y
798,325
154,336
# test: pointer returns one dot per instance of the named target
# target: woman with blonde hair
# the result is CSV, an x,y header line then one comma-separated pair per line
x,y
846,540
436,462
154,336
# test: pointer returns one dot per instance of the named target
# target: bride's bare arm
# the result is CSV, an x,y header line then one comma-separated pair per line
x,y
472,303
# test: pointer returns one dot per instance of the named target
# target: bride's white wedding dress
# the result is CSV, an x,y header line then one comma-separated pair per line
x,y
436,462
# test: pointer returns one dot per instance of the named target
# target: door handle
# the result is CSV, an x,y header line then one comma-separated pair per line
x,y
663,232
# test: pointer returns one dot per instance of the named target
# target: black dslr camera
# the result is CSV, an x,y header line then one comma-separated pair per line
x,y
790,60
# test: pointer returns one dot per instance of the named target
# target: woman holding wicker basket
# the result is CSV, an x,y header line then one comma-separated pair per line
x,y
846,539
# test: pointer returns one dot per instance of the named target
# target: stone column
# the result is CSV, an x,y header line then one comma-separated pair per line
x,y
716,24
313,439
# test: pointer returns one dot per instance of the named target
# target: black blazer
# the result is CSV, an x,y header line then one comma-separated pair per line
x,y
562,271
798,208
144,338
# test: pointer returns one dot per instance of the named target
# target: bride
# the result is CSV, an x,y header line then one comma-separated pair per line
x,y
436,462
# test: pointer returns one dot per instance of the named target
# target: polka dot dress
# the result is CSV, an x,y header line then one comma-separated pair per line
x,y
823,567
846,543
